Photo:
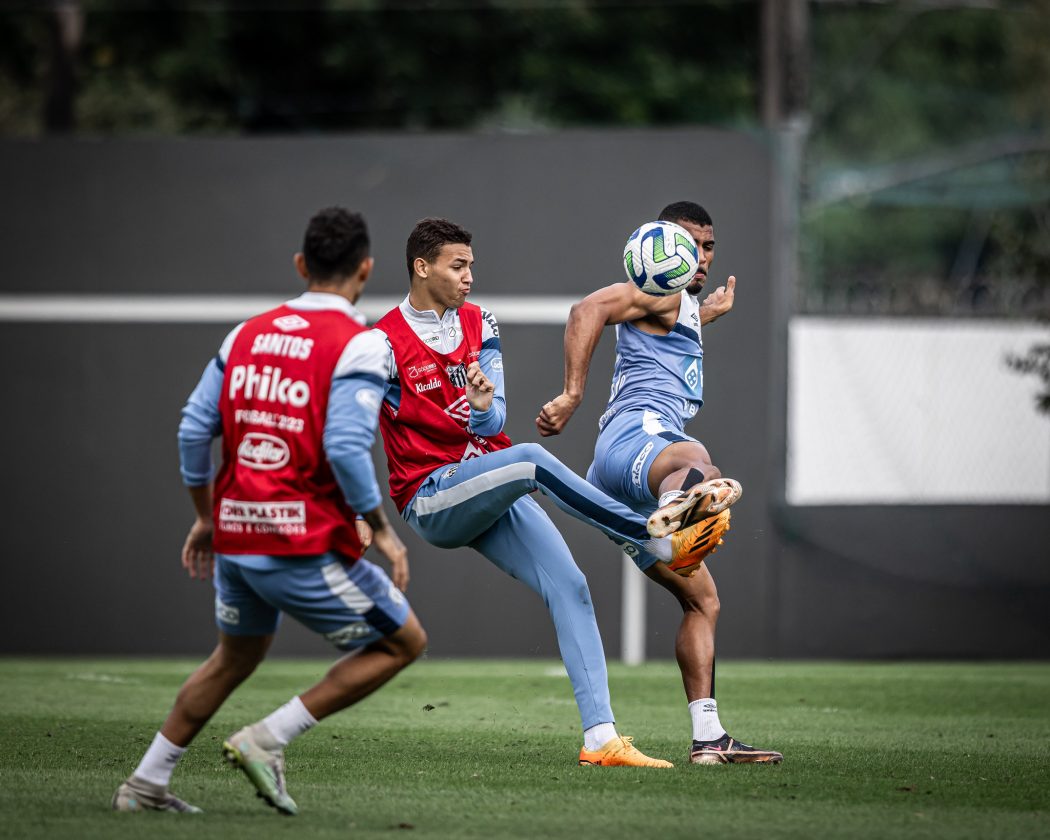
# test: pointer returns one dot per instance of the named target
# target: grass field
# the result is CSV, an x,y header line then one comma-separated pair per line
x,y
487,749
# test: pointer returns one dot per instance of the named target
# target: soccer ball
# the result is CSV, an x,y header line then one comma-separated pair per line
x,y
660,258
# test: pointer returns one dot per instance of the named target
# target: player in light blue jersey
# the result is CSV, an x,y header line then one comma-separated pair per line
x,y
644,458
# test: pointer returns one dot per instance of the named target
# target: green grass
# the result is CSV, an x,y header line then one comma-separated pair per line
x,y
487,749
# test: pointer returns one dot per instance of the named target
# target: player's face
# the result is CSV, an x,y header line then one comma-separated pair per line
x,y
704,236
449,279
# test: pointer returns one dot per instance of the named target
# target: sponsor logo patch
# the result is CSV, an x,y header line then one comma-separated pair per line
x,y
639,462
459,410
290,323
472,451
418,371
497,363
457,375
491,322
268,384
227,614
451,471
260,451
351,633
692,375
291,513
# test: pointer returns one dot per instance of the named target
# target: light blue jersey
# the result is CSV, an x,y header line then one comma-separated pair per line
x,y
658,386
663,374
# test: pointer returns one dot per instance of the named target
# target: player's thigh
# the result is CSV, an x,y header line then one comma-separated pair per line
x,y
680,455
240,609
458,502
350,603
526,545
623,458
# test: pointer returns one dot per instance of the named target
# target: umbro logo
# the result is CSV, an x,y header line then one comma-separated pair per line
x,y
290,323
459,410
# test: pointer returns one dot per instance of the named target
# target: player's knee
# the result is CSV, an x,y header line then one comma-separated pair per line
x,y
239,660
409,642
712,472
706,604
533,453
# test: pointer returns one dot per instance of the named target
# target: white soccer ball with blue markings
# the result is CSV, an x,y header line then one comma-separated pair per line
x,y
660,258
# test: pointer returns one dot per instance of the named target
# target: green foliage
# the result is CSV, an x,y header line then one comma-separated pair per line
x,y
487,750
904,88
322,66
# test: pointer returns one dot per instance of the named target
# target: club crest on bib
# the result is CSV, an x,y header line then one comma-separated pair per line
x,y
457,375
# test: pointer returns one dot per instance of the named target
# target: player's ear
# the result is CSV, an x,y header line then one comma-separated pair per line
x,y
300,266
364,271
419,267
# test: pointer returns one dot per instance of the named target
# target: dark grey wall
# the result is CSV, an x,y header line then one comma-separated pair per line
x,y
94,513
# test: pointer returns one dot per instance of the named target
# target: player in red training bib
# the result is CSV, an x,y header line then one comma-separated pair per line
x,y
458,481
294,393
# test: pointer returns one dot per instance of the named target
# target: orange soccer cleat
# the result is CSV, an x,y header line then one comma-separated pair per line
x,y
619,752
689,547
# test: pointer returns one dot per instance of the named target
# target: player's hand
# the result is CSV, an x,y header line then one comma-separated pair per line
x,y
198,557
391,547
719,302
555,414
364,533
479,388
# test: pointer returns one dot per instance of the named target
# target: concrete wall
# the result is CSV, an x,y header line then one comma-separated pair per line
x,y
94,512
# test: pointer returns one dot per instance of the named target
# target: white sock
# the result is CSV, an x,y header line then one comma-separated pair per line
x,y
159,762
289,721
669,497
598,736
660,548
706,725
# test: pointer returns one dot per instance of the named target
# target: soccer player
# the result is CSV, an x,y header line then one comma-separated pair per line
x,y
458,481
295,394
644,458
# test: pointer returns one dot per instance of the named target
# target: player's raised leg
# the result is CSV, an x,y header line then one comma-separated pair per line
x,y
455,505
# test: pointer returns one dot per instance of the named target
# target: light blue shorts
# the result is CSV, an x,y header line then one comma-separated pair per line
x,y
350,604
625,451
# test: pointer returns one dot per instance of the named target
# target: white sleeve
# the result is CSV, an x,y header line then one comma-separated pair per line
x,y
367,353
227,343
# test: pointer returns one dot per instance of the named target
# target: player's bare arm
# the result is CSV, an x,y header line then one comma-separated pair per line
x,y
198,556
718,303
385,538
479,388
613,304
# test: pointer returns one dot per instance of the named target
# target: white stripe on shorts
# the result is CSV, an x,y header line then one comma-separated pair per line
x,y
472,487
346,590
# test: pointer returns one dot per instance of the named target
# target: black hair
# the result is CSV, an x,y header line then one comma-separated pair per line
x,y
335,244
429,236
686,211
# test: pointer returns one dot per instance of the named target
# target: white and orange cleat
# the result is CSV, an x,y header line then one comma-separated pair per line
x,y
700,501
619,752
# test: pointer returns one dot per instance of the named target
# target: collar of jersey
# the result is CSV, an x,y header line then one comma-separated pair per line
x,y
314,301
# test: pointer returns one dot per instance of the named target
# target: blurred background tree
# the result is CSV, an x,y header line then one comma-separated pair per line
x,y
925,176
